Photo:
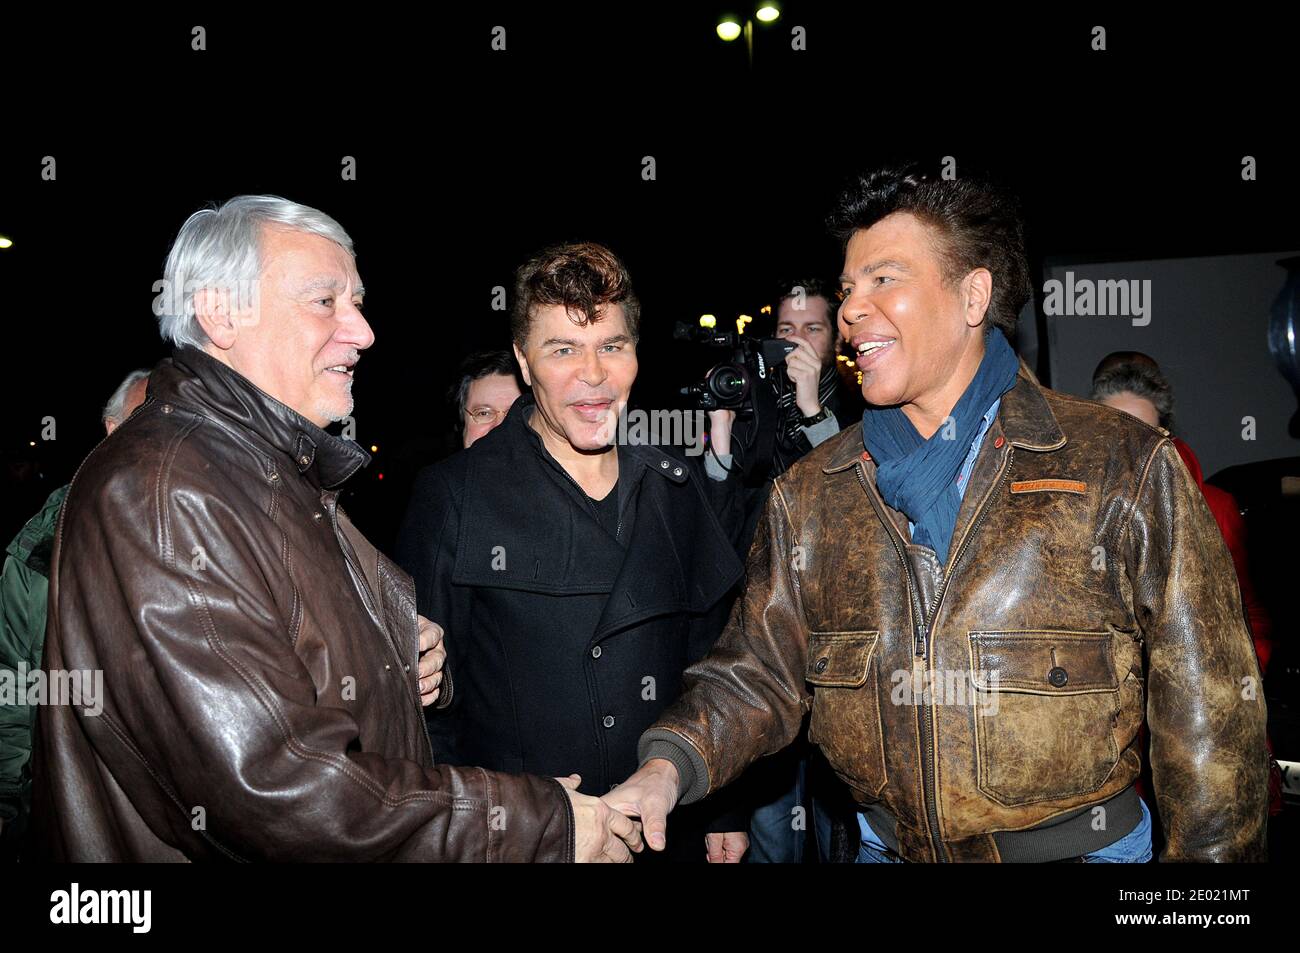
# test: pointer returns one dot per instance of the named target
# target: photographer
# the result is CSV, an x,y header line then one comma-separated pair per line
x,y
811,403
811,408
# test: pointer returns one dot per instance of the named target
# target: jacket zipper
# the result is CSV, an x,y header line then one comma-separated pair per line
x,y
618,528
922,651
921,633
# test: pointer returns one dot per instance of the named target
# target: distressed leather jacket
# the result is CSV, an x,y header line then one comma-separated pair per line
x,y
260,697
1087,589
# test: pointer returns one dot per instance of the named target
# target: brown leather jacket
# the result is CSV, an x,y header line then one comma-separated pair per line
x,y
258,657
1087,588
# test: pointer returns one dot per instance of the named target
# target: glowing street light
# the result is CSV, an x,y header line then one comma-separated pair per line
x,y
729,26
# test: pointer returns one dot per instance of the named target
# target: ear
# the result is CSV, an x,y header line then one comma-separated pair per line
x,y
523,365
212,311
978,288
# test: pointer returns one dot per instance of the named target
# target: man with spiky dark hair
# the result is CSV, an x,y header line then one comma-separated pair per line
x,y
576,574
981,593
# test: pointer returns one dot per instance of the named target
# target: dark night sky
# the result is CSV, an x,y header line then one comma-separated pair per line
x,y
467,160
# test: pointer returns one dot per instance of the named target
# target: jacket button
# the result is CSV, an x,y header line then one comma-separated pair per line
x,y
595,652
317,515
304,460
275,475
821,665
999,442
1057,676
608,721
387,667
677,471
408,666
664,464
166,408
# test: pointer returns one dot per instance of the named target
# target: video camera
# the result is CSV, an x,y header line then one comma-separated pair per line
x,y
746,382
731,384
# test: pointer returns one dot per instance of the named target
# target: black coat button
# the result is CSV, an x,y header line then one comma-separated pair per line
x,y
821,665
595,652
1057,676
609,721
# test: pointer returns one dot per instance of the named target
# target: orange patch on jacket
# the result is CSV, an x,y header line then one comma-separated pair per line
x,y
1038,486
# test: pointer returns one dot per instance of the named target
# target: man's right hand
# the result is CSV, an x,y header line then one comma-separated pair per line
x,y
649,794
602,834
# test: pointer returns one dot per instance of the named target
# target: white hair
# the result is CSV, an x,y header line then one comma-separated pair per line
x,y
113,410
220,247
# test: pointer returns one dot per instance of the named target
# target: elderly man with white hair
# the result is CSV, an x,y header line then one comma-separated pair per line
x,y
264,668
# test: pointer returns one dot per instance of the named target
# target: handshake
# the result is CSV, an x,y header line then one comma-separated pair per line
x,y
607,833
604,829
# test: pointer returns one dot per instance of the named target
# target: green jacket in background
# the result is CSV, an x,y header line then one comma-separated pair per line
x,y
24,586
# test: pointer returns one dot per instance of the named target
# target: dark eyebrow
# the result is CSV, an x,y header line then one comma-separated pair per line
x,y
877,265
570,342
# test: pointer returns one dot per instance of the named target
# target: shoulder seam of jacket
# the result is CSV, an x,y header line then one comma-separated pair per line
x,y
162,492
1141,486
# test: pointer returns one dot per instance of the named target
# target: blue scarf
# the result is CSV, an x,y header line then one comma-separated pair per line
x,y
919,477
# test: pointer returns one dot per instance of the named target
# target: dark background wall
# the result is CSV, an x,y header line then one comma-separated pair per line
x,y
1209,331
468,159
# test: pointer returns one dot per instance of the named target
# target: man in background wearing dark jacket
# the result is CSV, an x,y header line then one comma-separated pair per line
x,y
24,588
574,578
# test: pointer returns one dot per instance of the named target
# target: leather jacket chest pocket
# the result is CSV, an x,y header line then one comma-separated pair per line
x,y
1045,709
842,668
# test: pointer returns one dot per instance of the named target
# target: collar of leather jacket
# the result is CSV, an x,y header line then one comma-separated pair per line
x,y
194,380
1025,417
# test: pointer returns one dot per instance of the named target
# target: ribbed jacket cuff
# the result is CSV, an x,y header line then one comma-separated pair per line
x,y
692,772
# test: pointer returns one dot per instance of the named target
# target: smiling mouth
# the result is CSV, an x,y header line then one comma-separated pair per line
x,y
591,409
869,351
343,369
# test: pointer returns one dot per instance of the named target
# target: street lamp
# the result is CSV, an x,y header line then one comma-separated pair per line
x,y
729,27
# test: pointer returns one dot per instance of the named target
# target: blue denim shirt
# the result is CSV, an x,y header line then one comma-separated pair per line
x,y
1134,846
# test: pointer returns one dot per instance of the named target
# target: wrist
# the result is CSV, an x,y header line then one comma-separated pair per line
x,y
662,767
811,420
810,407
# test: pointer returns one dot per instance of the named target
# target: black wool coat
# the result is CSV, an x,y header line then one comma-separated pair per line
x,y
563,642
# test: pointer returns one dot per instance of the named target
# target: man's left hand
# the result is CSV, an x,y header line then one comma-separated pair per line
x,y
726,848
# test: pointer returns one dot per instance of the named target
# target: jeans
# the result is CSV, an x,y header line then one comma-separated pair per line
x,y
774,838
1132,848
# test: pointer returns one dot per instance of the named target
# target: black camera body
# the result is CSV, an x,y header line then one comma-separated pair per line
x,y
732,384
